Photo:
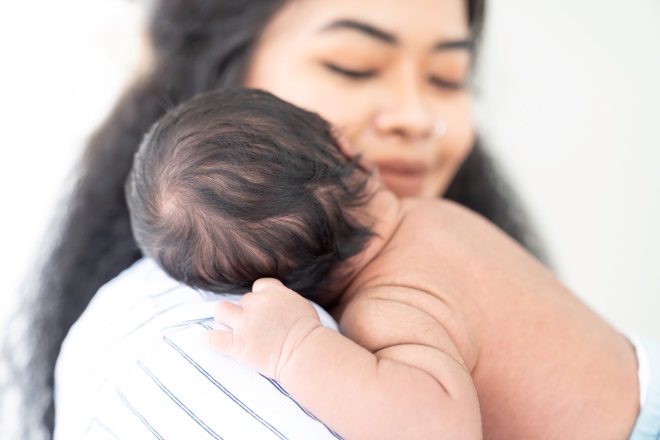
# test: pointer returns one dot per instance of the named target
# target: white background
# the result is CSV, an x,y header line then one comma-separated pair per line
x,y
569,102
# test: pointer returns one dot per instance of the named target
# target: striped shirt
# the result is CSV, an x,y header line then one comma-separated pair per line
x,y
133,366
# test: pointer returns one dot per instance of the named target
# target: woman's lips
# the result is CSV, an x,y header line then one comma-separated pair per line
x,y
403,181
404,166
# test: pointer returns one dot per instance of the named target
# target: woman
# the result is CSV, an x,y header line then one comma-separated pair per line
x,y
393,76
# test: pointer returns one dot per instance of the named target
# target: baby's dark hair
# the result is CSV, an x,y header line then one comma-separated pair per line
x,y
236,184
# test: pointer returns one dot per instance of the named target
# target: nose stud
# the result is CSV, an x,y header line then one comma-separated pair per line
x,y
439,128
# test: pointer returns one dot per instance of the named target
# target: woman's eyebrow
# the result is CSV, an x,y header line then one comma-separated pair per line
x,y
389,38
362,27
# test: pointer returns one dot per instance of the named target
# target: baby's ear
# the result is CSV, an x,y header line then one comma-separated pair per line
x,y
350,152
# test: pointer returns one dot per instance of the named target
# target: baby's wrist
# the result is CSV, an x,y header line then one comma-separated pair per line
x,y
304,333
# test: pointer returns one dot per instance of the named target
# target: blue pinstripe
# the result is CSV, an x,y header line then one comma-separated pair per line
x,y
224,390
284,392
181,405
139,416
105,428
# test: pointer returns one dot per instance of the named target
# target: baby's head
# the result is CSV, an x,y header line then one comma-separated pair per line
x,y
236,185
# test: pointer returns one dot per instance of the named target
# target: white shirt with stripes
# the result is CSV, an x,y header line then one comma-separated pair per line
x,y
133,366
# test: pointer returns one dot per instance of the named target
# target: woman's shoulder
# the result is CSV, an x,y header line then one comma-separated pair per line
x,y
137,348
142,300
125,322
140,307
142,279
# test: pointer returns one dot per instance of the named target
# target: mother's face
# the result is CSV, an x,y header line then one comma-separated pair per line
x,y
390,74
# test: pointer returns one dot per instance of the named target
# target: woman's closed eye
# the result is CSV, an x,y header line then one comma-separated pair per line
x,y
350,73
370,73
445,84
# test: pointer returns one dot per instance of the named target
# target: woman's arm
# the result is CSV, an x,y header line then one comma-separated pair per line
x,y
408,381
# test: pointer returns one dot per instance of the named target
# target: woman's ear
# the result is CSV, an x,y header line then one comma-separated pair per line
x,y
350,152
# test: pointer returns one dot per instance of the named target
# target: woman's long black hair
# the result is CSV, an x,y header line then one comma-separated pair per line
x,y
198,45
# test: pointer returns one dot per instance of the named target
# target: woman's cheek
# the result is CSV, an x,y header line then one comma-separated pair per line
x,y
460,128
334,104
345,113
465,138
454,148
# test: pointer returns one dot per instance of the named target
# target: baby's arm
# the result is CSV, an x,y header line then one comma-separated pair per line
x,y
267,326
413,385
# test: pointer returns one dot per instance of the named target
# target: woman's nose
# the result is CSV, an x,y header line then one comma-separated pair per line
x,y
406,113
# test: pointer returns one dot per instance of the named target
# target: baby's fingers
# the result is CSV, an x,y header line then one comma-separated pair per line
x,y
218,340
228,314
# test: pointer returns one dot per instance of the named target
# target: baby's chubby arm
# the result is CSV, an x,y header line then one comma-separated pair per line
x,y
402,390
267,325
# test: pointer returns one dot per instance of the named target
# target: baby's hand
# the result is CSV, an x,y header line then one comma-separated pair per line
x,y
268,324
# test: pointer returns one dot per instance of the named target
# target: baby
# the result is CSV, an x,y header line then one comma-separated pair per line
x,y
448,328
